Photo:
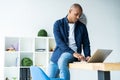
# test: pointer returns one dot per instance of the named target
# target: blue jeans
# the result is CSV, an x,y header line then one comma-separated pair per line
x,y
61,67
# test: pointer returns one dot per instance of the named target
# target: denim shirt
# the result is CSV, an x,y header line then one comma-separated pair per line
x,y
61,34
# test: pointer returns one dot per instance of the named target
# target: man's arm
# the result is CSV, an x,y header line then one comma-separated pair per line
x,y
86,43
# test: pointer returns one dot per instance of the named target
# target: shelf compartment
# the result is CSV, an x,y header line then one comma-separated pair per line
x,y
41,59
25,74
51,44
11,44
26,55
26,44
40,44
11,59
11,73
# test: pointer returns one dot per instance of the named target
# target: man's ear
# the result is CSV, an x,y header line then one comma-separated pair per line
x,y
70,10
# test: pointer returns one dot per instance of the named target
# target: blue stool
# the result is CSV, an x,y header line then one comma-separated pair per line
x,y
38,74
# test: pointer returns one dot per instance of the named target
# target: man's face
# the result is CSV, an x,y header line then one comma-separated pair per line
x,y
74,14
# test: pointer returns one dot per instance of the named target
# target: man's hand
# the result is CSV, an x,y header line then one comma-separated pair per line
x,y
79,56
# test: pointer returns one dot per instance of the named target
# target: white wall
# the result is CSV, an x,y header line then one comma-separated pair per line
x,y
27,17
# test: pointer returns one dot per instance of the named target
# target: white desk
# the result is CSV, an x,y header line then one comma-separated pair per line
x,y
102,68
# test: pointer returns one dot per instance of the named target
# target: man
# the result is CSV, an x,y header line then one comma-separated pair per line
x,y
71,37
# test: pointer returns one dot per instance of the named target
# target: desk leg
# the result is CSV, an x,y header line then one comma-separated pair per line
x,y
103,75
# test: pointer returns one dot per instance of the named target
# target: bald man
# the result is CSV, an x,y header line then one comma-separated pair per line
x,y
71,38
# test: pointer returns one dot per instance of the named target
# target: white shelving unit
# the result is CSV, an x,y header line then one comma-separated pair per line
x,y
38,49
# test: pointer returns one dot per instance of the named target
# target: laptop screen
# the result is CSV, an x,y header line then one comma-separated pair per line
x,y
99,56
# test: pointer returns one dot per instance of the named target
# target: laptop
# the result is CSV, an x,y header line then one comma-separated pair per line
x,y
99,56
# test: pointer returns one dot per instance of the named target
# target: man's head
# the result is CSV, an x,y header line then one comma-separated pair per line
x,y
74,13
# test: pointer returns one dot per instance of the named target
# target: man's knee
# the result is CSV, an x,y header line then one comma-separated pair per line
x,y
64,59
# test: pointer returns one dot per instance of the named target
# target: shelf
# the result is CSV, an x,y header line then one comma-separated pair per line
x,y
37,49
